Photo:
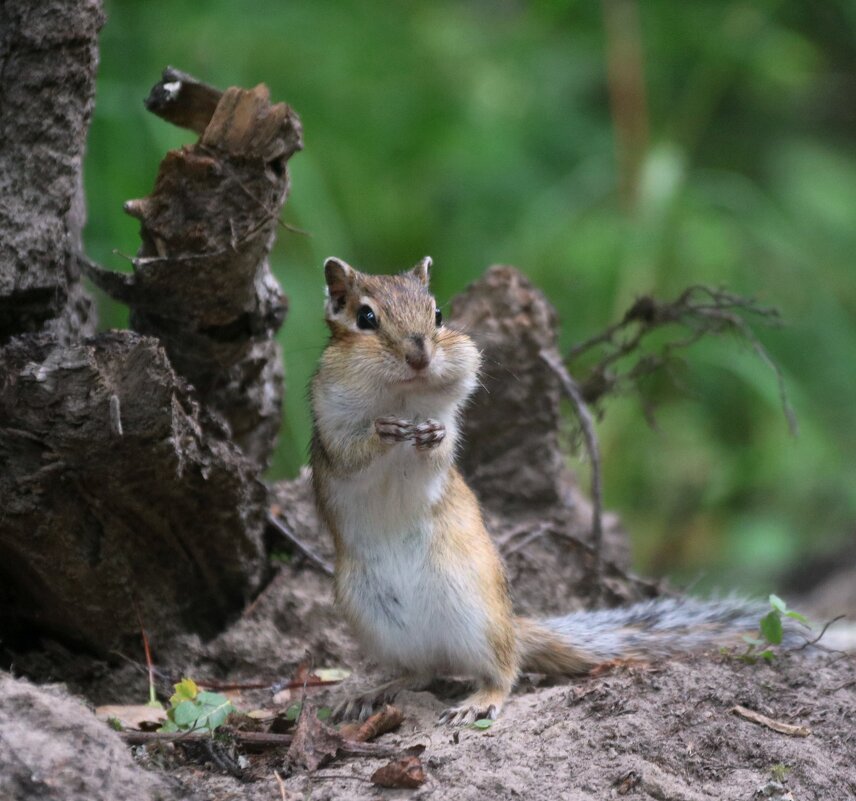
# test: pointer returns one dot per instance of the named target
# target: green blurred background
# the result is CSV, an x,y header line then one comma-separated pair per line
x,y
607,149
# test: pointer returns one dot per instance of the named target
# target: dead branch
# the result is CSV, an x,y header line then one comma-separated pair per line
x,y
700,310
285,531
201,281
251,740
572,392
819,637
183,100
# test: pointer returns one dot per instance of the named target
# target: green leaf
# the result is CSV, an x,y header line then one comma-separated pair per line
x,y
798,617
771,627
324,712
114,723
212,710
768,656
168,728
293,712
778,603
185,714
484,723
185,690
753,641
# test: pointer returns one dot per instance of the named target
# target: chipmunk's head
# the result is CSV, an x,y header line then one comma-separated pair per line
x,y
388,331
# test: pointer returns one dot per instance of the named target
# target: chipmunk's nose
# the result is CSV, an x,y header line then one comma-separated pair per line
x,y
416,354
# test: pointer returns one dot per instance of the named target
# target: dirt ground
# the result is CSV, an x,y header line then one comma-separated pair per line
x,y
663,731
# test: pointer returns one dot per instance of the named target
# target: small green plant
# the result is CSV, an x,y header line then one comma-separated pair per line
x,y
771,632
293,712
484,724
192,709
280,557
779,772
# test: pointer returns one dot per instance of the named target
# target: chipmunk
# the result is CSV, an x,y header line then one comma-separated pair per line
x,y
417,574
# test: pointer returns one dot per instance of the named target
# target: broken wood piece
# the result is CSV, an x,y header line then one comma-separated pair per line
x,y
201,280
386,720
405,772
183,100
776,725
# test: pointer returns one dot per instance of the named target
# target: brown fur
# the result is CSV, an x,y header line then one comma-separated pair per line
x,y
544,651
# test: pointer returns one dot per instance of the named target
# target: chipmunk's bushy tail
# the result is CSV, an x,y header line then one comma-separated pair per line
x,y
665,626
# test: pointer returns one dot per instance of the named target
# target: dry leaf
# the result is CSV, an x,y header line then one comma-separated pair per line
x,y
262,714
332,674
775,725
314,743
132,716
388,719
627,782
404,772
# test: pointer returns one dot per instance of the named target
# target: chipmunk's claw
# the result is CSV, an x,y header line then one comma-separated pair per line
x,y
393,429
362,705
428,435
465,714
358,707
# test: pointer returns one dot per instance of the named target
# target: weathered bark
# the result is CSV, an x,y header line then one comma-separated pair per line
x,y
118,498
130,488
202,283
48,58
511,453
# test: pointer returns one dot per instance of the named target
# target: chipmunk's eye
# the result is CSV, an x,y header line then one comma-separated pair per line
x,y
438,318
366,318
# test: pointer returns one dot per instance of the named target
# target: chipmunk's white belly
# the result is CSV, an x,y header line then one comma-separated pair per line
x,y
411,610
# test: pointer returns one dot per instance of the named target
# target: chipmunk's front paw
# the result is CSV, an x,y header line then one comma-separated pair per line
x,y
428,435
393,429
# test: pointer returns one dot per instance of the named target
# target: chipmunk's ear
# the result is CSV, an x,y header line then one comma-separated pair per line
x,y
340,279
423,270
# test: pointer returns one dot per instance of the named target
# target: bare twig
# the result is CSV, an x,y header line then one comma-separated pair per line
x,y
572,391
700,309
281,528
533,534
770,723
817,639
281,785
150,666
248,739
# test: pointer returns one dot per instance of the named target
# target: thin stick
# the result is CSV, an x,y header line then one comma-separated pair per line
x,y
552,359
817,639
281,784
150,666
301,546
249,739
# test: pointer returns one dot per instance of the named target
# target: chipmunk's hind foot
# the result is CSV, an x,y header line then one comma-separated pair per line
x,y
484,704
362,705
